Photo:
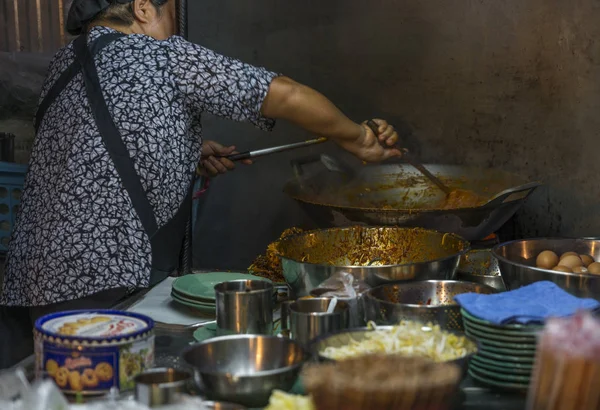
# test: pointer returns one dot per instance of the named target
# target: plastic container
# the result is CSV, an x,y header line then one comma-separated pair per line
x,y
12,178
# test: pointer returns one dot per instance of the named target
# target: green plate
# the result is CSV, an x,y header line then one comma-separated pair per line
x,y
508,351
503,365
504,345
484,334
500,370
510,327
498,384
202,285
205,332
529,360
503,377
502,333
195,302
201,308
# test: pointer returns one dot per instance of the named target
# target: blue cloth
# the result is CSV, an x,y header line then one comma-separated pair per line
x,y
530,304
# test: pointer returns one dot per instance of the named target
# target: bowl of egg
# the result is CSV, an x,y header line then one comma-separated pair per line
x,y
573,264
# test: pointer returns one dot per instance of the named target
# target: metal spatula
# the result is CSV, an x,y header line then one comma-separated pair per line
x,y
415,163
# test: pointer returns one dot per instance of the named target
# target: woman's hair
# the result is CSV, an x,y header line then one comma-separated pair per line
x,y
122,14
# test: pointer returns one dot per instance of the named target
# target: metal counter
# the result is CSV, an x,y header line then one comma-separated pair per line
x,y
171,340
169,346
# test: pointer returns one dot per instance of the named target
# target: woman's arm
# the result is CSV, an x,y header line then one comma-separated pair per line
x,y
307,108
229,88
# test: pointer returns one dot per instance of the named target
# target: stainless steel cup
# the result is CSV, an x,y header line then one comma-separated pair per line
x,y
306,319
244,307
159,387
356,309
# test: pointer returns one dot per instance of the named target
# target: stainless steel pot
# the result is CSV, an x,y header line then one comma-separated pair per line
x,y
309,258
424,301
355,304
480,266
346,337
517,264
398,195
307,319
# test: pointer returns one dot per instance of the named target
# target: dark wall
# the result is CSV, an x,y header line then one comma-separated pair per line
x,y
510,84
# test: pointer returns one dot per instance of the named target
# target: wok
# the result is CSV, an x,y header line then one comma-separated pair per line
x,y
398,195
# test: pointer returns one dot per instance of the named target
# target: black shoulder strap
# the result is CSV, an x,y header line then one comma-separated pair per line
x,y
112,138
70,73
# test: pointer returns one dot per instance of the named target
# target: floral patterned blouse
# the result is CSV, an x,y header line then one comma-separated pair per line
x,y
77,233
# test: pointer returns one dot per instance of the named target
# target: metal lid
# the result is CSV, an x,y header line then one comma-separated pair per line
x,y
94,325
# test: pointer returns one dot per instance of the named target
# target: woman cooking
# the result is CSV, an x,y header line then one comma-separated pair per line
x,y
118,140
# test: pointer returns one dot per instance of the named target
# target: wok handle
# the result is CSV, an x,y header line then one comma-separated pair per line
x,y
299,163
513,194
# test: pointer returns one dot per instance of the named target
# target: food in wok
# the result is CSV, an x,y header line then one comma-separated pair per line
x,y
408,339
462,198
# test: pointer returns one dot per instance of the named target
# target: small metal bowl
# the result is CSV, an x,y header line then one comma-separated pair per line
x,y
160,386
430,301
346,337
480,266
245,369
221,405
517,264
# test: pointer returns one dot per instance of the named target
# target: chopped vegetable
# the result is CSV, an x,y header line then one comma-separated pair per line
x,y
409,339
283,401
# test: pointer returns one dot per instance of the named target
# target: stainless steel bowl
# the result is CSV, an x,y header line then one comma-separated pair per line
x,y
221,405
356,335
426,301
245,369
517,264
160,386
480,266
309,258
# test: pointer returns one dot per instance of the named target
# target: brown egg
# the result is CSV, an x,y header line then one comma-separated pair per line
x,y
587,260
562,269
570,261
580,269
546,260
594,268
568,254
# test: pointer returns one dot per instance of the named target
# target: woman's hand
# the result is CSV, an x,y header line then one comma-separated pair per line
x,y
375,148
210,163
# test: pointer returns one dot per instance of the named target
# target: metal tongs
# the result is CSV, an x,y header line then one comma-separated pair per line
x,y
272,150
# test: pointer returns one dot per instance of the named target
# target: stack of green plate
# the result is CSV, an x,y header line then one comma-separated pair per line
x,y
506,352
198,290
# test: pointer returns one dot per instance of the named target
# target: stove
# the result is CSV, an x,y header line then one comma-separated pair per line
x,y
486,243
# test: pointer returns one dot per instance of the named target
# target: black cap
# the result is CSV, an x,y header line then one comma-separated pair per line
x,y
84,11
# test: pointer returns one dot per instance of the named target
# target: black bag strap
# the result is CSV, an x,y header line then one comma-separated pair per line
x,y
112,138
70,73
